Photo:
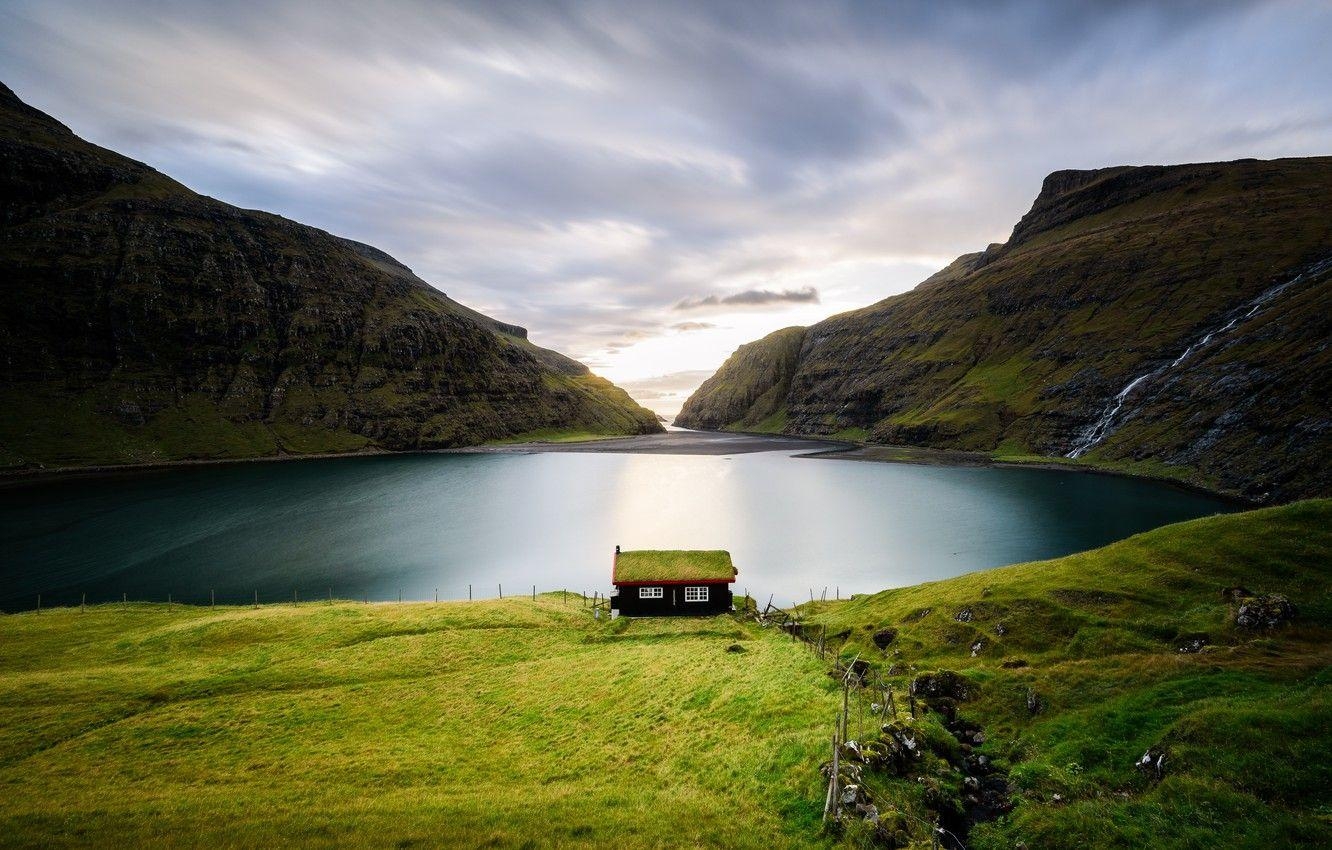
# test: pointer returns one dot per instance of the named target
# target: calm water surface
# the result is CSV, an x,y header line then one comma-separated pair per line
x,y
379,526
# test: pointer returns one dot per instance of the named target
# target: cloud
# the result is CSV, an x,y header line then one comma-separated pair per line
x,y
685,327
752,298
588,168
666,394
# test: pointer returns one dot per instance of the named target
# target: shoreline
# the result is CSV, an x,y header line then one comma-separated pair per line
x,y
668,442
921,456
30,475
678,442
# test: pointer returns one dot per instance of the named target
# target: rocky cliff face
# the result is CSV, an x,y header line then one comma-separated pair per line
x,y
749,392
1114,275
144,322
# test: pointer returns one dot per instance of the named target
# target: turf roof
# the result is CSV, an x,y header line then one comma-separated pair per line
x,y
674,565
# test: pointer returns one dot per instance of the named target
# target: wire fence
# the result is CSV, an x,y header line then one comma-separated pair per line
x,y
866,696
594,599
865,692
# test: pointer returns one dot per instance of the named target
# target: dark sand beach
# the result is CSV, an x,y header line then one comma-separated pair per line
x,y
675,442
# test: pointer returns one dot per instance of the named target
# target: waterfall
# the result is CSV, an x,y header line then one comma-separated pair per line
x,y
1101,428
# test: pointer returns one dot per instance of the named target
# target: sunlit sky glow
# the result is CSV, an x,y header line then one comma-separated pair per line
x,y
646,186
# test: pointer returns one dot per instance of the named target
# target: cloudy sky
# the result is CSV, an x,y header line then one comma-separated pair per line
x,y
647,185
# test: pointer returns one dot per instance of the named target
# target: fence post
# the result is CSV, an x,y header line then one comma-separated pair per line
x,y
83,602
860,714
832,780
39,603
534,593
501,590
836,779
330,594
294,599
256,599
437,594
469,593
212,597
122,598
846,693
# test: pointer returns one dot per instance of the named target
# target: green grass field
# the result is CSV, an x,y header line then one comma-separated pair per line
x,y
521,723
500,723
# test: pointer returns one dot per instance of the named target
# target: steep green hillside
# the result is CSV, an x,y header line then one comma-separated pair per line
x,y
749,392
143,322
1073,669
1022,349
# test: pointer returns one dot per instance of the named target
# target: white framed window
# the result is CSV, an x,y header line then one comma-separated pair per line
x,y
696,594
649,593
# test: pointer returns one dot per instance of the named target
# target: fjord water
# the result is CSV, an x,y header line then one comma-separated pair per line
x,y
375,527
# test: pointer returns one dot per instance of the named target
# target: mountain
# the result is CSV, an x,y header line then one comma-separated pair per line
x,y
1174,320
143,322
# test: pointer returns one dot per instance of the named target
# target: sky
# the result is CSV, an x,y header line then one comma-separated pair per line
x,y
647,185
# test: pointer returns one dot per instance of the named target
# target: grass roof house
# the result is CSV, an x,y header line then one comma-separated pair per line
x,y
671,582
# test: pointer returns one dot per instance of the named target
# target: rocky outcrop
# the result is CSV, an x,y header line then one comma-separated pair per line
x,y
1113,274
1266,612
144,322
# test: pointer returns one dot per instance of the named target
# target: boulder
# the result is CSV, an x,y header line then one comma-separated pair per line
x,y
1152,763
1035,705
966,732
894,751
1269,611
1190,644
945,683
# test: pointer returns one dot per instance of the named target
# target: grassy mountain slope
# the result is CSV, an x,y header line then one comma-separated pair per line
x,y
1017,350
1245,723
144,322
749,392
529,723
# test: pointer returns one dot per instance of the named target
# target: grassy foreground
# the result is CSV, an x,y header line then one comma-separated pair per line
x,y
499,723
1245,723
527,723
